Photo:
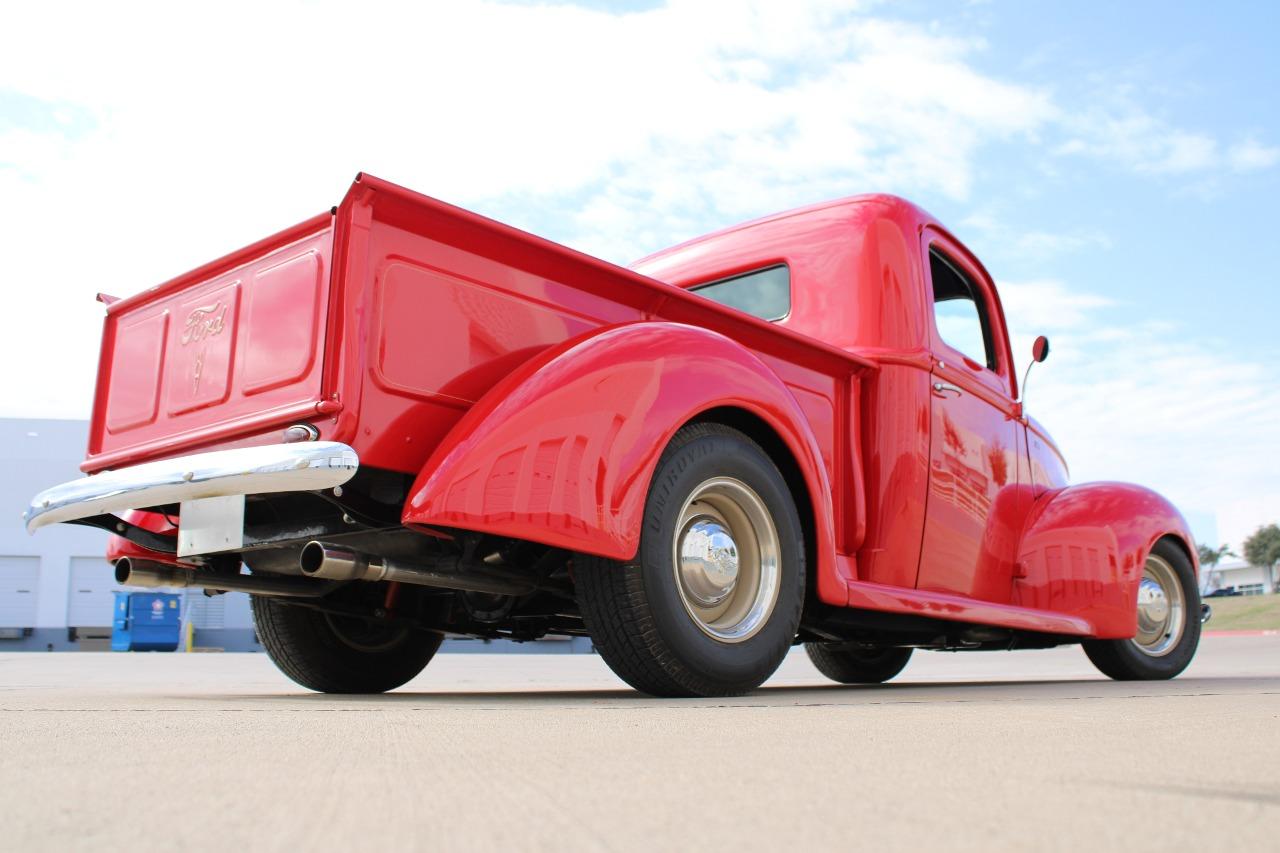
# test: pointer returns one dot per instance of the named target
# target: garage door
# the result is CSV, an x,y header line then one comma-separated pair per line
x,y
91,598
204,611
18,579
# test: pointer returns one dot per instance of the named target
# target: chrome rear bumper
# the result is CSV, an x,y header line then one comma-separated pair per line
x,y
301,467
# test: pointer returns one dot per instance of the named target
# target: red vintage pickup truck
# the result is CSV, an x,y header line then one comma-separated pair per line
x,y
406,420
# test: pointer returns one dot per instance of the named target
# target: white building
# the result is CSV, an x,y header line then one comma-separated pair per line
x,y
1235,572
56,588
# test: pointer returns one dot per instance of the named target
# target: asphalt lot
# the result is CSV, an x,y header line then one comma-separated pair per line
x,y
1025,750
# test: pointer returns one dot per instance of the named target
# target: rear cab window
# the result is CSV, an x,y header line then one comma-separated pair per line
x,y
763,293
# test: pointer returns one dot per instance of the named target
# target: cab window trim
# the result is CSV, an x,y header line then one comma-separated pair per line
x,y
978,294
774,265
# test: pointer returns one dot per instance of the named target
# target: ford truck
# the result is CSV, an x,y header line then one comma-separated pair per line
x,y
400,420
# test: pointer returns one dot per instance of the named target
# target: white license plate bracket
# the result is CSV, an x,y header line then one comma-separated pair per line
x,y
211,525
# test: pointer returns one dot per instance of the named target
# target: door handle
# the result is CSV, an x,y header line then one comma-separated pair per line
x,y
943,388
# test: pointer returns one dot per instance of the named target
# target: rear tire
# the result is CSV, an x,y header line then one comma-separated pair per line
x,y
340,654
1168,622
711,603
857,666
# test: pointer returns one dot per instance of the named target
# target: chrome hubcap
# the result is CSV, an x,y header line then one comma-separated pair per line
x,y
726,555
1153,605
1161,608
708,561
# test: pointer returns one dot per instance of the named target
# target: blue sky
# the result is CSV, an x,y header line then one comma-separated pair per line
x,y
1113,164
1181,242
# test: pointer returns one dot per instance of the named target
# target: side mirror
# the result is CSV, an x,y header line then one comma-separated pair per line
x,y
1039,352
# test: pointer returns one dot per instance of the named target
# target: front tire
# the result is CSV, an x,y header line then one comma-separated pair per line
x,y
340,654
1168,622
711,603
849,665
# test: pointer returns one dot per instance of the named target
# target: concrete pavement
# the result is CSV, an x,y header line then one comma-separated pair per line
x,y
1022,750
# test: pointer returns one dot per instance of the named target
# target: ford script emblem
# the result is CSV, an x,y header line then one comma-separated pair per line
x,y
204,322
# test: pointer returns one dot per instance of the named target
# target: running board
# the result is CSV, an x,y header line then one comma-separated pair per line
x,y
957,608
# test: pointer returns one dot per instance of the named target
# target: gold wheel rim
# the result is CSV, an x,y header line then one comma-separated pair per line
x,y
1162,609
725,555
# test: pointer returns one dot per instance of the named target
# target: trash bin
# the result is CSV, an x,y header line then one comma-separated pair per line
x,y
146,622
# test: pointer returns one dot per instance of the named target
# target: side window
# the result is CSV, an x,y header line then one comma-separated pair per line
x,y
959,311
764,293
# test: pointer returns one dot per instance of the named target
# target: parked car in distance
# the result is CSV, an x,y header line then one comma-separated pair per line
x,y
399,419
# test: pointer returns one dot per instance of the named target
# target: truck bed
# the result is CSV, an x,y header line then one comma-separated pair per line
x,y
381,323
216,354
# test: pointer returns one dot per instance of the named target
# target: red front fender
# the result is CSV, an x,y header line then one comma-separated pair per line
x,y
562,451
1084,547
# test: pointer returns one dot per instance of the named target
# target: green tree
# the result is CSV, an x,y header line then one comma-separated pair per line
x,y
1212,556
1263,549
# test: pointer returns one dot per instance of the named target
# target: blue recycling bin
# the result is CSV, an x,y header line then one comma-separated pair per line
x,y
146,622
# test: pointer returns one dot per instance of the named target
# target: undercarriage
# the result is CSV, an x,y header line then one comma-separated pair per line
x,y
343,552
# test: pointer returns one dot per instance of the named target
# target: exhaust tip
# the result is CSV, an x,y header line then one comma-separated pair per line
x,y
331,562
312,558
124,568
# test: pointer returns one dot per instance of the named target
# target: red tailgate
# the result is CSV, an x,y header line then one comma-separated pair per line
x,y
219,353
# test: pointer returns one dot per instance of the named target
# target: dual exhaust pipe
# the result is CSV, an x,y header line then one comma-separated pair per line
x,y
335,564
150,575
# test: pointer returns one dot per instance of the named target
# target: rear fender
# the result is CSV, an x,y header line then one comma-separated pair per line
x,y
1084,547
563,450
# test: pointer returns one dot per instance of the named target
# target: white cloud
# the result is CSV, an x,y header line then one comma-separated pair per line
x,y
1047,306
1117,130
1126,135
171,136
1251,155
627,132
1030,244
1153,404
1045,244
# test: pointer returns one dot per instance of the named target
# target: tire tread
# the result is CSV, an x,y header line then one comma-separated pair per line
x,y
618,615
1119,660
301,644
846,667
